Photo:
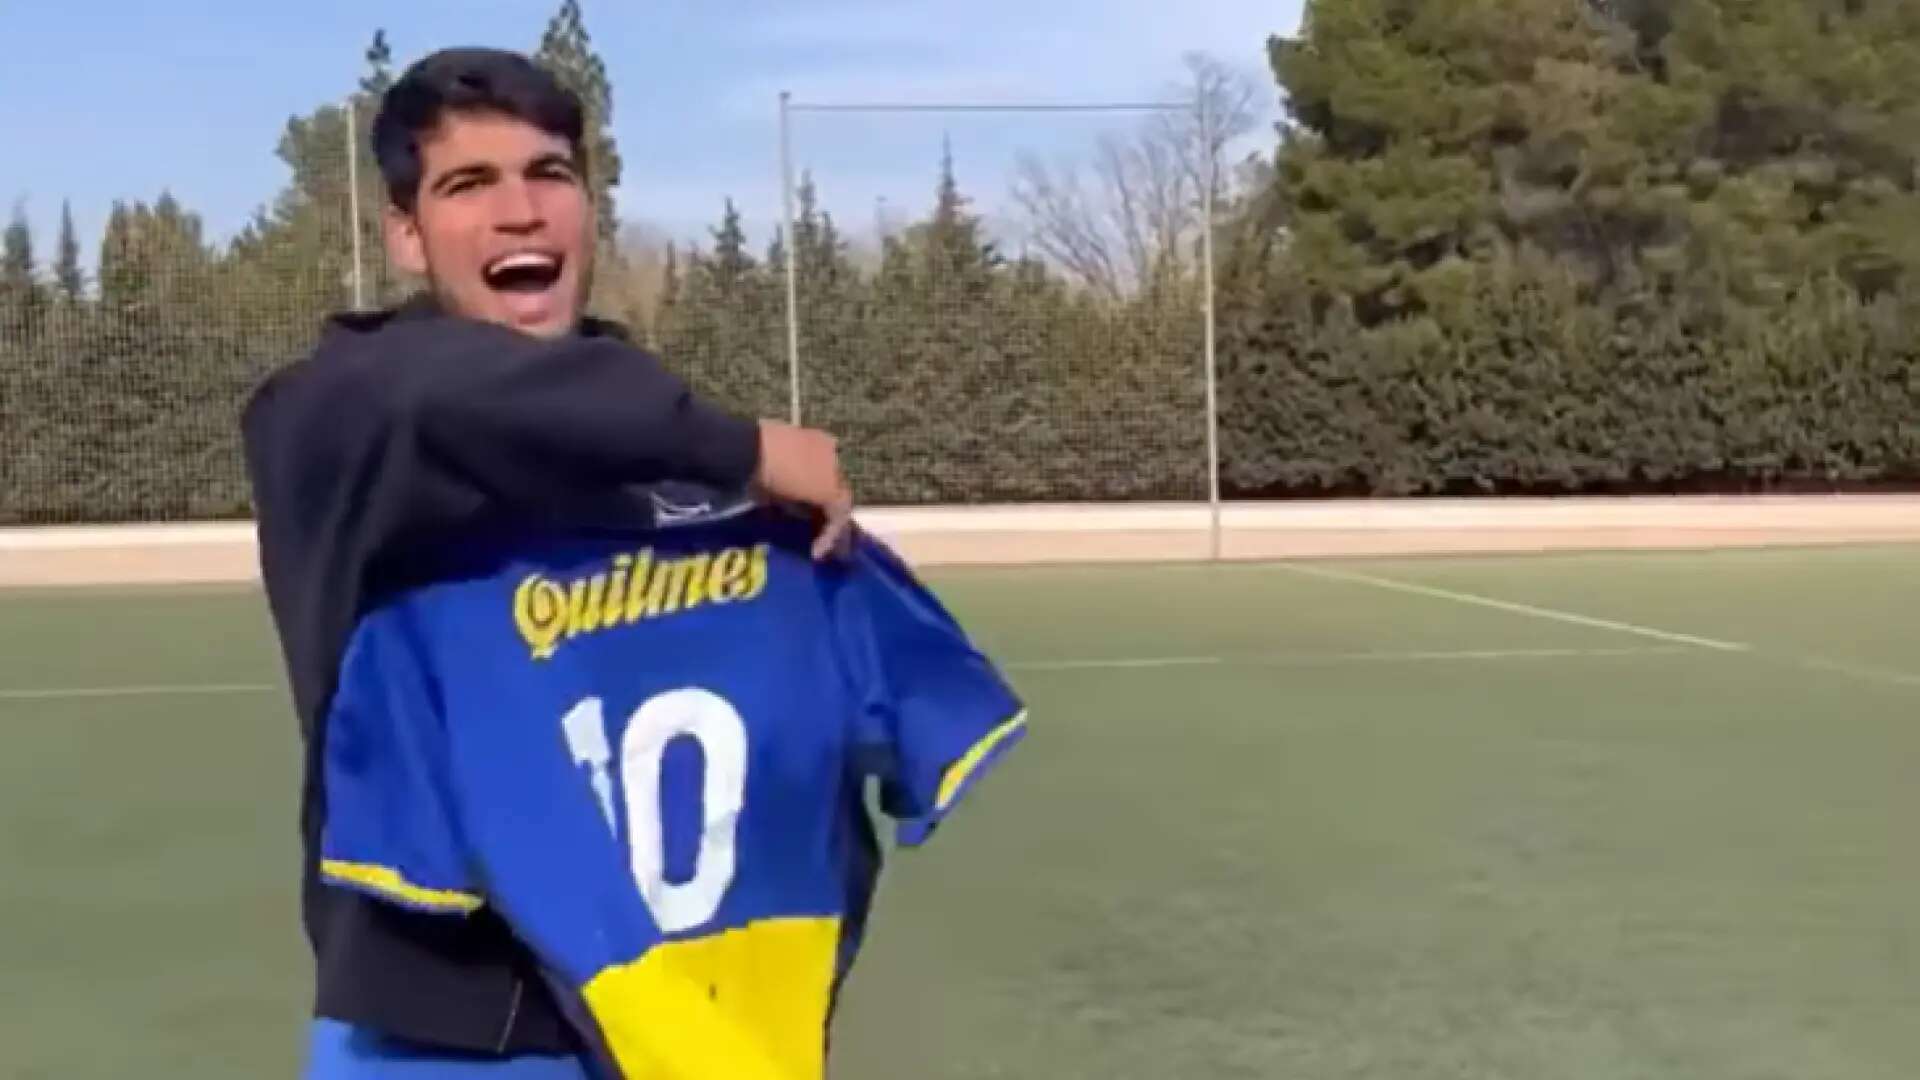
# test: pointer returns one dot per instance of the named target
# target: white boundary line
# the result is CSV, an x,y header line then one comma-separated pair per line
x,y
1144,663
67,693
1140,663
1860,672
1308,659
1551,614
1863,672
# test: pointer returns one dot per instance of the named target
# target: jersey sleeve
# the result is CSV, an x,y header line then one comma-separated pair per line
x,y
934,714
390,829
446,807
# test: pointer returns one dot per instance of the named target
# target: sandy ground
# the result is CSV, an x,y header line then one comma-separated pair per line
x,y
201,554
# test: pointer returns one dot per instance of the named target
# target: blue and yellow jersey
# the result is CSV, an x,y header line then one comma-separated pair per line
x,y
650,754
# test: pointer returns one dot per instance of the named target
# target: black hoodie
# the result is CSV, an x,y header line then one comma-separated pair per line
x,y
404,431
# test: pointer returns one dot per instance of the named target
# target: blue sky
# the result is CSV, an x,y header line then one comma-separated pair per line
x,y
111,99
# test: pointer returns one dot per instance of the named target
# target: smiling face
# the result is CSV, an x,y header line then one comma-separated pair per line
x,y
501,225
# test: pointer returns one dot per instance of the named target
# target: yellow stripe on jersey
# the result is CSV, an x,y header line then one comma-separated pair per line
x,y
957,773
746,1004
388,882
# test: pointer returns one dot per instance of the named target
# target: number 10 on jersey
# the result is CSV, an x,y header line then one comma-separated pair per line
x,y
712,721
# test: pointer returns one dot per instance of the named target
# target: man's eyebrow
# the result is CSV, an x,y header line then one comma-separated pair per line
x,y
547,161
464,172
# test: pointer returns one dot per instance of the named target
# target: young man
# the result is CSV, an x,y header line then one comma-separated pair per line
x,y
490,404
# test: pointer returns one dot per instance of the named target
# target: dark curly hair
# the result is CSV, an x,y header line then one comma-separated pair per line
x,y
466,80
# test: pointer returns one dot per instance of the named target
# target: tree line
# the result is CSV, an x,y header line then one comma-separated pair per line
x,y
1584,245
1495,246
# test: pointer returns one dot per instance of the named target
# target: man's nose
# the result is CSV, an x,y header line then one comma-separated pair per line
x,y
515,210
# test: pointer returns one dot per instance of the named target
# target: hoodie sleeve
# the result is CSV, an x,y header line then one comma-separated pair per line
x,y
392,440
430,422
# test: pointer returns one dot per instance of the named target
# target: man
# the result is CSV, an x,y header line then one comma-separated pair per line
x,y
488,405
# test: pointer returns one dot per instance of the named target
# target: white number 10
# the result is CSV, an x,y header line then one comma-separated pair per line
x,y
722,734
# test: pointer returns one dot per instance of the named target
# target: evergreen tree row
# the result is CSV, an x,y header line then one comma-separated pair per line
x,y
952,372
1499,246
1584,245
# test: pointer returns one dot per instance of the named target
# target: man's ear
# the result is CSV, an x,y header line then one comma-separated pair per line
x,y
405,247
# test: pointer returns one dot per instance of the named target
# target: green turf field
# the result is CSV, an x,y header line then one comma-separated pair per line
x,y
1600,816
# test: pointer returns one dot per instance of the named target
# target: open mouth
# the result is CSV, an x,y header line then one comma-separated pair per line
x,y
523,272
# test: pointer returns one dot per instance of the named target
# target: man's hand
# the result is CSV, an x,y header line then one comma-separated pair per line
x,y
801,465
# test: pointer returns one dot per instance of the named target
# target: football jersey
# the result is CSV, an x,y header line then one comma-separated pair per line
x,y
650,753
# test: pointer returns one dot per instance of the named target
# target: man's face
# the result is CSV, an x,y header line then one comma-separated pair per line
x,y
501,225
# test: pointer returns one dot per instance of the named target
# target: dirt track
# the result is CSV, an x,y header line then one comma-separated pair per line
x,y
1407,527
199,554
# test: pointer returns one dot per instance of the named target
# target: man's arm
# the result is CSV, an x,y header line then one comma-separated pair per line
x,y
430,422
393,437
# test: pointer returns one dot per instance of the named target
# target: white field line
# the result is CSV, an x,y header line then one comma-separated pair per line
x,y
1863,672
1550,614
64,693
1140,663
1309,659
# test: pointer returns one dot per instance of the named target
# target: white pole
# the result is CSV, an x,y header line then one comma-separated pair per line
x,y
792,242
353,198
1207,293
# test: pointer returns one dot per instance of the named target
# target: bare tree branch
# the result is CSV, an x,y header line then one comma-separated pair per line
x,y
1063,226
1148,186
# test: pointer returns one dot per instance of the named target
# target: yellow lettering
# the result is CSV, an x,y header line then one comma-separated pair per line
x,y
756,573
540,612
584,605
637,585
727,580
616,591
676,583
696,575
